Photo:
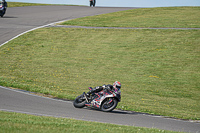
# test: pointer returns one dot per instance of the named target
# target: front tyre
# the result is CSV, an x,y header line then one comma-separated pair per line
x,y
109,104
80,101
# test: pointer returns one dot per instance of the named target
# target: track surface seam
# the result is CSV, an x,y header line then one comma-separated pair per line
x,y
91,27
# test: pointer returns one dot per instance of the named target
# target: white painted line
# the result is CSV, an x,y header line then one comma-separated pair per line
x,y
32,30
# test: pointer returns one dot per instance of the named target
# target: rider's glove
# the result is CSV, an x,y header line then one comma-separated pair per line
x,y
104,86
108,88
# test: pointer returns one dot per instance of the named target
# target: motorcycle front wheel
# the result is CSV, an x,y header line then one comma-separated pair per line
x,y
1,14
80,101
109,104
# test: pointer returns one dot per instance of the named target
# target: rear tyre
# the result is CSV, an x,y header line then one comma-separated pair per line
x,y
79,102
109,104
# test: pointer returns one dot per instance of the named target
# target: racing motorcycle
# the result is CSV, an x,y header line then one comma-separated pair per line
x,y
105,100
3,8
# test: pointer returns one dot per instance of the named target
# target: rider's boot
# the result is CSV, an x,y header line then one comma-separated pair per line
x,y
88,103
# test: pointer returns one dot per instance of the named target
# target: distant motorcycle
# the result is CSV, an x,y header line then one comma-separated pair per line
x,y
92,3
106,100
3,8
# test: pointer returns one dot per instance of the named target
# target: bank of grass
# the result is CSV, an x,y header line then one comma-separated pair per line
x,y
158,69
15,123
177,17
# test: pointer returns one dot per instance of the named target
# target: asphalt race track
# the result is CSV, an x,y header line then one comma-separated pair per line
x,y
24,102
18,20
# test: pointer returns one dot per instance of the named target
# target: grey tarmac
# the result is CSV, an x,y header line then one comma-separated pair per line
x,y
133,28
18,20
14,100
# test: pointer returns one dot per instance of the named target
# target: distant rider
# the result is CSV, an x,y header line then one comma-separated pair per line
x,y
92,3
116,87
4,3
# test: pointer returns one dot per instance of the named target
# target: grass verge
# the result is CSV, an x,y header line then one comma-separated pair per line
x,y
15,123
177,17
158,69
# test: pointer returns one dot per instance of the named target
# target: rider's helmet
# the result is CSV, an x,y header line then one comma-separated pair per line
x,y
117,85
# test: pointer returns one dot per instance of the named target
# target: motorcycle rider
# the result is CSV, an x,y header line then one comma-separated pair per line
x,y
116,86
4,3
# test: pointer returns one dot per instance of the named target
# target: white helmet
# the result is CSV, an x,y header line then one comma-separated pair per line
x,y
117,85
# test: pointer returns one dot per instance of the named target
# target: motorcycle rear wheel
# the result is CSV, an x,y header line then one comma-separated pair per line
x,y
79,102
109,106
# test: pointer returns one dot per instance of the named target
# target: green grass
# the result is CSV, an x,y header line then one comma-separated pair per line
x,y
15,123
158,69
178,17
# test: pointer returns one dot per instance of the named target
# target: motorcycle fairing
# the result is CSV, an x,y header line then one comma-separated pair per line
x,y
2,10
100,97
